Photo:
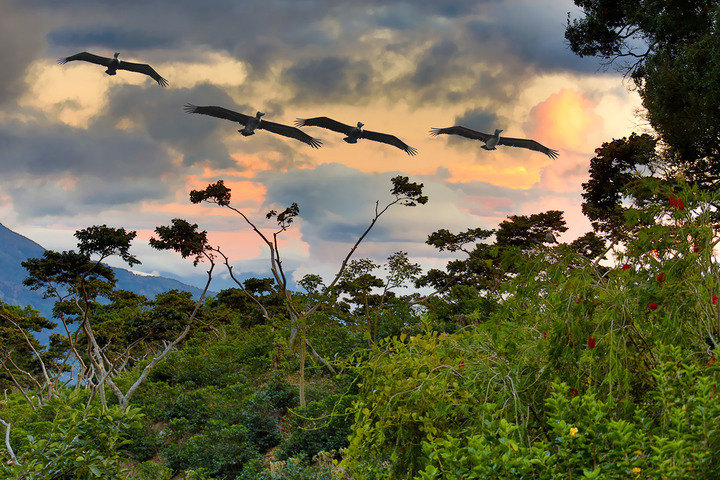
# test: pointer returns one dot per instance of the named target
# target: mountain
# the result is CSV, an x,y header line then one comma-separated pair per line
x,y
15,248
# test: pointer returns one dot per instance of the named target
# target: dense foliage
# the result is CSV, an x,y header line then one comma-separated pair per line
x,y
530,359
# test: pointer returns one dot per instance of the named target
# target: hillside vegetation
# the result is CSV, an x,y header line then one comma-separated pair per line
x,y
531,359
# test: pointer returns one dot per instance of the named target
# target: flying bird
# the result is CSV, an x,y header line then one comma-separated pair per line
x,y
355,133
113,65
254,123
491,141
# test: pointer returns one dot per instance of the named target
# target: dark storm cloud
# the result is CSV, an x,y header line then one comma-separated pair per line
x,y
46,197
20,45
159,112
58,170
475,119
478,119
328,49
330,78
336,202
49,149
534,32
438,62
110,37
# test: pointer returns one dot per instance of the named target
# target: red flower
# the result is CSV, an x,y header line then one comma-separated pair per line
x,y
714,299
573,392
661,277
591,342
652,306
712,360
578,300
626,266
544,335
677,203
461,364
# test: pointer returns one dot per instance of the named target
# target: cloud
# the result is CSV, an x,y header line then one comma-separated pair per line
x,y
337,204
160,114
478,119
330,78
46,149
53,196
20,45
532,31
111,37
566,119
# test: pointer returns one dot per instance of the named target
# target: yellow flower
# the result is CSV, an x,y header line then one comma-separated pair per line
x,y
636,470
573,431
638,452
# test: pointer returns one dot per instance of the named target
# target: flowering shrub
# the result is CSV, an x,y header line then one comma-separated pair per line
x,y
675,437
563,318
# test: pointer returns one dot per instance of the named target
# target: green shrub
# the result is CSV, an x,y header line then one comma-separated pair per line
x,y
222,451
65,440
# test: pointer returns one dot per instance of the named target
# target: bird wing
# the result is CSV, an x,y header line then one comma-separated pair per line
x,y
218,112
389,139
529,144
143,68
291,132
86,57
324,122
462,131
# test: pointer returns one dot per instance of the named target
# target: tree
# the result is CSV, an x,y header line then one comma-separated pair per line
x,y
671,51
77,279
613,172
483,268
369,293
22,357
404,193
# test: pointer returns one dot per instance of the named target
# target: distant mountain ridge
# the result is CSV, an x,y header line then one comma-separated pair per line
x,y
15,248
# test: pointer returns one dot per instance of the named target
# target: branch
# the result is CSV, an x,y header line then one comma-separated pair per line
x,y
17,384
319,357
13,458
37,355
242,287
171,345
352,250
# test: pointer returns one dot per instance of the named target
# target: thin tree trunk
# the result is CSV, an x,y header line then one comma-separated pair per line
x,y
303,346
13,458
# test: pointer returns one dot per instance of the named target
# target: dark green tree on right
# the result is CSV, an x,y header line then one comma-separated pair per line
x,y
671,51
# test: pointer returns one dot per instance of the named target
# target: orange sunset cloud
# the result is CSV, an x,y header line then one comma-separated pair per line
x,y
565,119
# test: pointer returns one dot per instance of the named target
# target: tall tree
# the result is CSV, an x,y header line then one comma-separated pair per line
x,y
671,50
188,241
77,280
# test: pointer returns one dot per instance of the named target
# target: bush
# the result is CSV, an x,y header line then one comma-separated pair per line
x,y
77,443
222,451
677,438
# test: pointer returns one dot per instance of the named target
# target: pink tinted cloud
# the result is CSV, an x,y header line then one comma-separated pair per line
x,y
565,120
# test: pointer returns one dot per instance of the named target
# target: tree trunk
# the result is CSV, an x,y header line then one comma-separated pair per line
x,y
302,366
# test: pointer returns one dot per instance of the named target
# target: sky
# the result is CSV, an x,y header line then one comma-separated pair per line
x,y
79,147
